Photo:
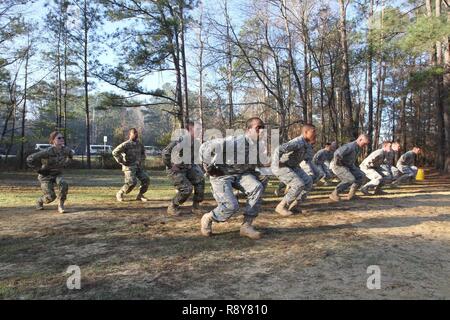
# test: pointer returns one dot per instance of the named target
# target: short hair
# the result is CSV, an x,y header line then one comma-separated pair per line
x,y
52,136
328,144
190,124
365,136
385,143
308,126
395,142
250,121
132,130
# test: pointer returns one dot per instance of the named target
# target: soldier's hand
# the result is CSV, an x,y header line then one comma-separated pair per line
x,y
214,171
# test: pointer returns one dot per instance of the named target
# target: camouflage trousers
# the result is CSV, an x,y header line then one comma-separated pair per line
x,y
227,203
406,173
48,184
311,170
297,180
348,175
186,181
378,177
323,172
132,175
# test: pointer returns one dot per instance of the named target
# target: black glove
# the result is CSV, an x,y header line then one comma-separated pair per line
x,y
44,171
213,170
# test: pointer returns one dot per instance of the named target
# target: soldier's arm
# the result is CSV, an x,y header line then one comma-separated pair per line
x,y
292,145
167,153
117,153
69,158
32,159
143,155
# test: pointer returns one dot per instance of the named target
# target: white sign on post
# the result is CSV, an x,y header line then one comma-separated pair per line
x,y
105,139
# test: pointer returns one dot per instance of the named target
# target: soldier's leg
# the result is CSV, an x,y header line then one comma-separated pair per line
x,y
254,190
196,176
308,184
130,180
227,204
144,178
63,188
48,188
405,175
414,171
279,191
321,175
346,177
289,177
183,186
374,179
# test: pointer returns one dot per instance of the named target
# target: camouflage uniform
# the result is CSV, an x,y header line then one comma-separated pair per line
x,y
285,165
131,155
51,162
388,166
320,160
405,166
308,165
230,173
186,177
371,166
343,166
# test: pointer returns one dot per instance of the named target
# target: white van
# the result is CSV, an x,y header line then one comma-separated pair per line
x,y
152,151
100,149
42,146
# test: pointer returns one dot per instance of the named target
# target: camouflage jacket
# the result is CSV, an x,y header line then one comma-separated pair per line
x,y
183,161
389,158
231,155
50,161
292,153
374,160
321,156
407,159
130,154
346,155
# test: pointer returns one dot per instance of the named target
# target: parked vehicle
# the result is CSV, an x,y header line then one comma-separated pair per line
x,y
97,149
152,151
41,146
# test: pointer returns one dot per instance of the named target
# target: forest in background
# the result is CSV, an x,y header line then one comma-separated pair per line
x,y
93,69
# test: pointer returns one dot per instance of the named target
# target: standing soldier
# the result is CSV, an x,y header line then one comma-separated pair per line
x,y
131,155
405,166
321,159
344,167
238,172
185,176
285,165
371,166
50,163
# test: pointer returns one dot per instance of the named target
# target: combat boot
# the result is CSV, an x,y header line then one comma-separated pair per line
x,y
174,210
351,194
141,197
119,196
379,192
282,210
365,191
335,196
196,208
61,206
247,230
295,207
39,204
206,224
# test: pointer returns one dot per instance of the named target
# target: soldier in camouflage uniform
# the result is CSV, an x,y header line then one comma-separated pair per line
x,y
344,167
131,155
285,166
321,160
388,167
234,170
50,163
308,166
372,168
405,166
187,176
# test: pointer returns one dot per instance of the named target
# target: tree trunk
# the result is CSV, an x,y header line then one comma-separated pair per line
x,y
86,87
369,81
24,109
184,63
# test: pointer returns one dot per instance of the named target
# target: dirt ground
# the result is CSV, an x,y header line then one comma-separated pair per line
x,y
134,250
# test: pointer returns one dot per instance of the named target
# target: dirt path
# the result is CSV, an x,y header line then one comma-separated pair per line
x,y
134,250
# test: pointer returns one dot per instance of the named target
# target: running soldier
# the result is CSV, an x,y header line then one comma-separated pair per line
x,y
372,168
131,155
49,164
186,177
322,160
285,166
344,167
236,171
405,166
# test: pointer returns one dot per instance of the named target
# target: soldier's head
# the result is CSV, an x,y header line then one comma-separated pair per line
x,y
417,150
194,131
330,146
254,126
363,140
309,133
395,146
386,146
56,138
133,134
